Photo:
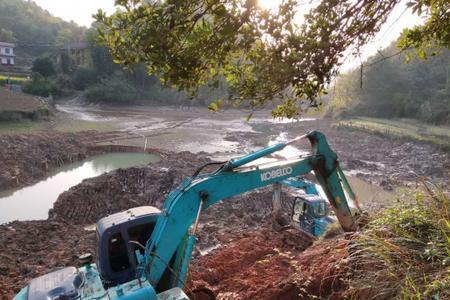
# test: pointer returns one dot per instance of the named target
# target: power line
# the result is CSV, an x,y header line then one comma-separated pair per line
x,y
390,28
384,58
376,62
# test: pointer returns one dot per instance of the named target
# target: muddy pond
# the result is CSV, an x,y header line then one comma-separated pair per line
x,y
33,202
221,136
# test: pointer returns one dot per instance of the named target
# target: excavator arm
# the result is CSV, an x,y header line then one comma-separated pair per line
x,y
171,237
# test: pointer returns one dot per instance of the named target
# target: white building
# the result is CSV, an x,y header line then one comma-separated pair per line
x,y
6,53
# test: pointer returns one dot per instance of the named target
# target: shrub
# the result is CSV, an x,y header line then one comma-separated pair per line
x,y
44,66
405,251
40,86
113,89
82,78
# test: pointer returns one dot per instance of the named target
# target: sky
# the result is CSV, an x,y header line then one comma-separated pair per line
x,y
80,11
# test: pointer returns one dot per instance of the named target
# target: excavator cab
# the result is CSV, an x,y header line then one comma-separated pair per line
x,y
118,237
311,214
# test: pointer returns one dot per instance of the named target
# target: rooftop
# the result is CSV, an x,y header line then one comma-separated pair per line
x,y
4,44
75,45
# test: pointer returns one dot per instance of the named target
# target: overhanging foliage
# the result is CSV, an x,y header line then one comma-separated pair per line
x,y
263,55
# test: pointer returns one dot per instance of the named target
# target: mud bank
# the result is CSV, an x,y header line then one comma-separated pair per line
x,y
119,190
27,158
32,248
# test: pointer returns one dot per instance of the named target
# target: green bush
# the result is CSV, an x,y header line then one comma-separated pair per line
x,y
82,78
113,89
44,66
404,253
40,86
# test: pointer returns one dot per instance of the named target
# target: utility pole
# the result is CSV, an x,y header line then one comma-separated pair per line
x,y
447,84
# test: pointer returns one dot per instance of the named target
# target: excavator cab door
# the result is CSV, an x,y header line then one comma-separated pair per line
x,y
302,215
309,211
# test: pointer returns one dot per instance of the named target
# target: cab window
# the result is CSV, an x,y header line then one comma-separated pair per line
x,y
299,209
141,234
118,255
320,209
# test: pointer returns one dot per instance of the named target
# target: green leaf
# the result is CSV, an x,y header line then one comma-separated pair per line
x,y
213,107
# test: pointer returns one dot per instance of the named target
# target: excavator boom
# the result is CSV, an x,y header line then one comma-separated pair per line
x,y
185,204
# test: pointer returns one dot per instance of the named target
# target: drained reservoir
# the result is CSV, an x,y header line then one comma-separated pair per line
x,y
33,202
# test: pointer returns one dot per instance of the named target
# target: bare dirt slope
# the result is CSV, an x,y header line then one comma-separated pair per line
x,y
10,101
264,264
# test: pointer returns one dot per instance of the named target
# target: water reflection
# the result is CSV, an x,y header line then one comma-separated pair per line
x,y
33,202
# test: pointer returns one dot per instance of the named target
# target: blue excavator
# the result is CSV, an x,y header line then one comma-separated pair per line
x,y
144,252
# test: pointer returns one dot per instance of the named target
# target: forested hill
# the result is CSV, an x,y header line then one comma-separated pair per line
x,y
33,29
392,88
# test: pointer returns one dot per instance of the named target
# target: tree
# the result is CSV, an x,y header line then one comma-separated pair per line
x,y
393,89
65,63
102,61
6,35
34,28
263,55
433,34
44,66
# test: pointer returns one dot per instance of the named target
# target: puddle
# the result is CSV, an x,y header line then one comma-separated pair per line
x,y
208,147
33,202
289,151
80,113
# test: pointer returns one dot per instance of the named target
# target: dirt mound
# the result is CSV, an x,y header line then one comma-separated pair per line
x,y
29,157
269,265
119,190
20,102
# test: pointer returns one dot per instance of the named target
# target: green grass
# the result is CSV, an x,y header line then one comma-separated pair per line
x,y
19,127
405,128
25,126
404,252
13,79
